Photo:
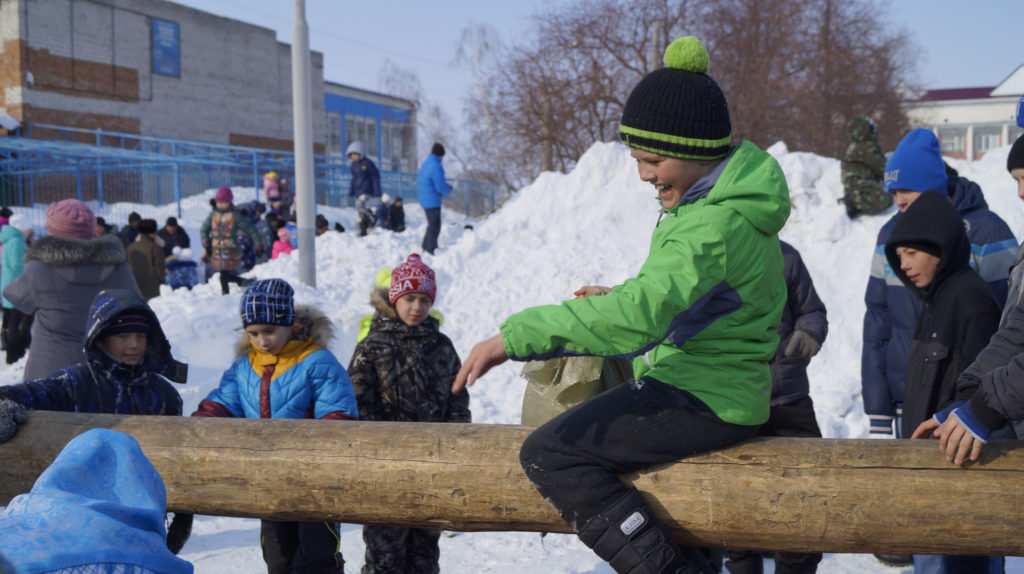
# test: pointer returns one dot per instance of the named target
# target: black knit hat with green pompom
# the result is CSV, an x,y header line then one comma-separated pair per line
x,y
678,111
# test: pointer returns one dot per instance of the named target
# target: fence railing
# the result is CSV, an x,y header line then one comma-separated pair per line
x,y
46,163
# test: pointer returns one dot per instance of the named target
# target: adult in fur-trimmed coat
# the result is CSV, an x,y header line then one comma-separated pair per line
x,y
63,273
404,372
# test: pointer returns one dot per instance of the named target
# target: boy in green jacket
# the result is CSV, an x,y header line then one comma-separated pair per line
x,y
699,321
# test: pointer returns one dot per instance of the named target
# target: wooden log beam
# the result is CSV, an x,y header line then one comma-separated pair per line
x,y
785,494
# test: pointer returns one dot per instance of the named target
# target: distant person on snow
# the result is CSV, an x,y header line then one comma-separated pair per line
x,y
219,234
862,169
147,260
365,176
384,212
396,212
431,187
283,243
173,236
716,246
15,237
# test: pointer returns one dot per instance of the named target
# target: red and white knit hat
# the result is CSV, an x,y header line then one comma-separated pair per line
x,y
413,276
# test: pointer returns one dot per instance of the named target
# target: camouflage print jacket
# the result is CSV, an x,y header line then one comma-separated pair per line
x,y
864,159
403,373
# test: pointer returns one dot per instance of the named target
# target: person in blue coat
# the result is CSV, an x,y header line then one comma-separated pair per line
x,y
365,177
431,187
98,507
892,310
283,370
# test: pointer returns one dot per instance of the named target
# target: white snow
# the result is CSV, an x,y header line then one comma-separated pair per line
x,y
591,226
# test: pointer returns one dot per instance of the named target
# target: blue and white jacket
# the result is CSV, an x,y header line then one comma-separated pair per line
x,y
892,310
305,380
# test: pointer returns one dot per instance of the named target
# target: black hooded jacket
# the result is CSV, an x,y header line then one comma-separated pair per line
x,y
959,313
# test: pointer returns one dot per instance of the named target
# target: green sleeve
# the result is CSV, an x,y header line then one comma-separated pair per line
x,y
686,260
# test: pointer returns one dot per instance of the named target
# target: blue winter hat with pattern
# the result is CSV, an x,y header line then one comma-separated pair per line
x,y
917,164
268,302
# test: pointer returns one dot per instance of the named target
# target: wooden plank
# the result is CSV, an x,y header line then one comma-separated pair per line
x,y
785,494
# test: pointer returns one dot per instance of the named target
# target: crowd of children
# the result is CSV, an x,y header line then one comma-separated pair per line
x,y
944,332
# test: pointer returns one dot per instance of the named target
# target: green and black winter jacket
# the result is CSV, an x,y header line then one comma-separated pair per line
x,y
701,314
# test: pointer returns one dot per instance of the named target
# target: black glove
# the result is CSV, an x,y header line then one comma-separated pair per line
x,y
802,344
12,414
179,531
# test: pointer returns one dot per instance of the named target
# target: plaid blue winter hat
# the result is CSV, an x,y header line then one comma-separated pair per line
x,y
268,302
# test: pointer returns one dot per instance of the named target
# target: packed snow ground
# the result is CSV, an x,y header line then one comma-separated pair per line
x,y
591,226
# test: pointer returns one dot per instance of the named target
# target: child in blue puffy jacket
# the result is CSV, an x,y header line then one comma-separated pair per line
x,y
283,370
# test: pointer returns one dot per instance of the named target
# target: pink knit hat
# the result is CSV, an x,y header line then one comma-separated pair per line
x,y
284,235
413,276
70,218
224,195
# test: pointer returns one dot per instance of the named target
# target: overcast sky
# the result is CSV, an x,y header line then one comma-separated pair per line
x,y
964,44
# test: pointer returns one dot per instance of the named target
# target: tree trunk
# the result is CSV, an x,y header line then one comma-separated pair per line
x,y
831,495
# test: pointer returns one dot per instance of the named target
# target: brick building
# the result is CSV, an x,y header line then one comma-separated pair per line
x,y
150,67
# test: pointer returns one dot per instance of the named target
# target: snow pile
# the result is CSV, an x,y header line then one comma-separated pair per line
x,y
591,226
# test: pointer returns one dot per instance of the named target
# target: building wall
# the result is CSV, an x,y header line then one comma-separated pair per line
x,y
88,63
967,129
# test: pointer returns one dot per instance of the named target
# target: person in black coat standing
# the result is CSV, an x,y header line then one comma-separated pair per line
x,y
174,236
930,253
802,330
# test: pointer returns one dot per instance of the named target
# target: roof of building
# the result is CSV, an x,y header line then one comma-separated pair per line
x,y
957,94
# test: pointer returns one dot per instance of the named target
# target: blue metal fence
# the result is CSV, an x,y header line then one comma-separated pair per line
x,y
47,163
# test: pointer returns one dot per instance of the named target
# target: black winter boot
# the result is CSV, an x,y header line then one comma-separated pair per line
x,y
627,535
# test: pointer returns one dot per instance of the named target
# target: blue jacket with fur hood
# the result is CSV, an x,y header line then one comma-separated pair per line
x,y
304,380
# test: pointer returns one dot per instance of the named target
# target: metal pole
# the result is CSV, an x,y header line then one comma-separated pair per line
x,y
302,121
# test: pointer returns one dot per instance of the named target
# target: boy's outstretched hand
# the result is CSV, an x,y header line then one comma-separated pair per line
x,y
486,354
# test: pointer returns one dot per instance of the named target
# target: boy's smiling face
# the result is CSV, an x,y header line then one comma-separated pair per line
x,y
670,176
413,308
269,338
919,266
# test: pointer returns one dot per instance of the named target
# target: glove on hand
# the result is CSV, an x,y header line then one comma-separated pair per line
x,y
801,344
12,414
178,532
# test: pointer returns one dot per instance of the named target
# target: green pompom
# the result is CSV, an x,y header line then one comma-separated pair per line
x,y
687,53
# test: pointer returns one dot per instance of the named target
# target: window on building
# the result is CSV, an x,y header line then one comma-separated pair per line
x,y
334,133
396,139
986,139
364,129
952,141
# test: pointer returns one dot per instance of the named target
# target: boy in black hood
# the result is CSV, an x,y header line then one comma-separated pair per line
x,y
930,253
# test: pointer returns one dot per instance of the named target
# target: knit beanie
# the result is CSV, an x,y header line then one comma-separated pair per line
x,y
268,302
917,164
678,111
1016,158
224,195
70,218
413,276
130,321
284,235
